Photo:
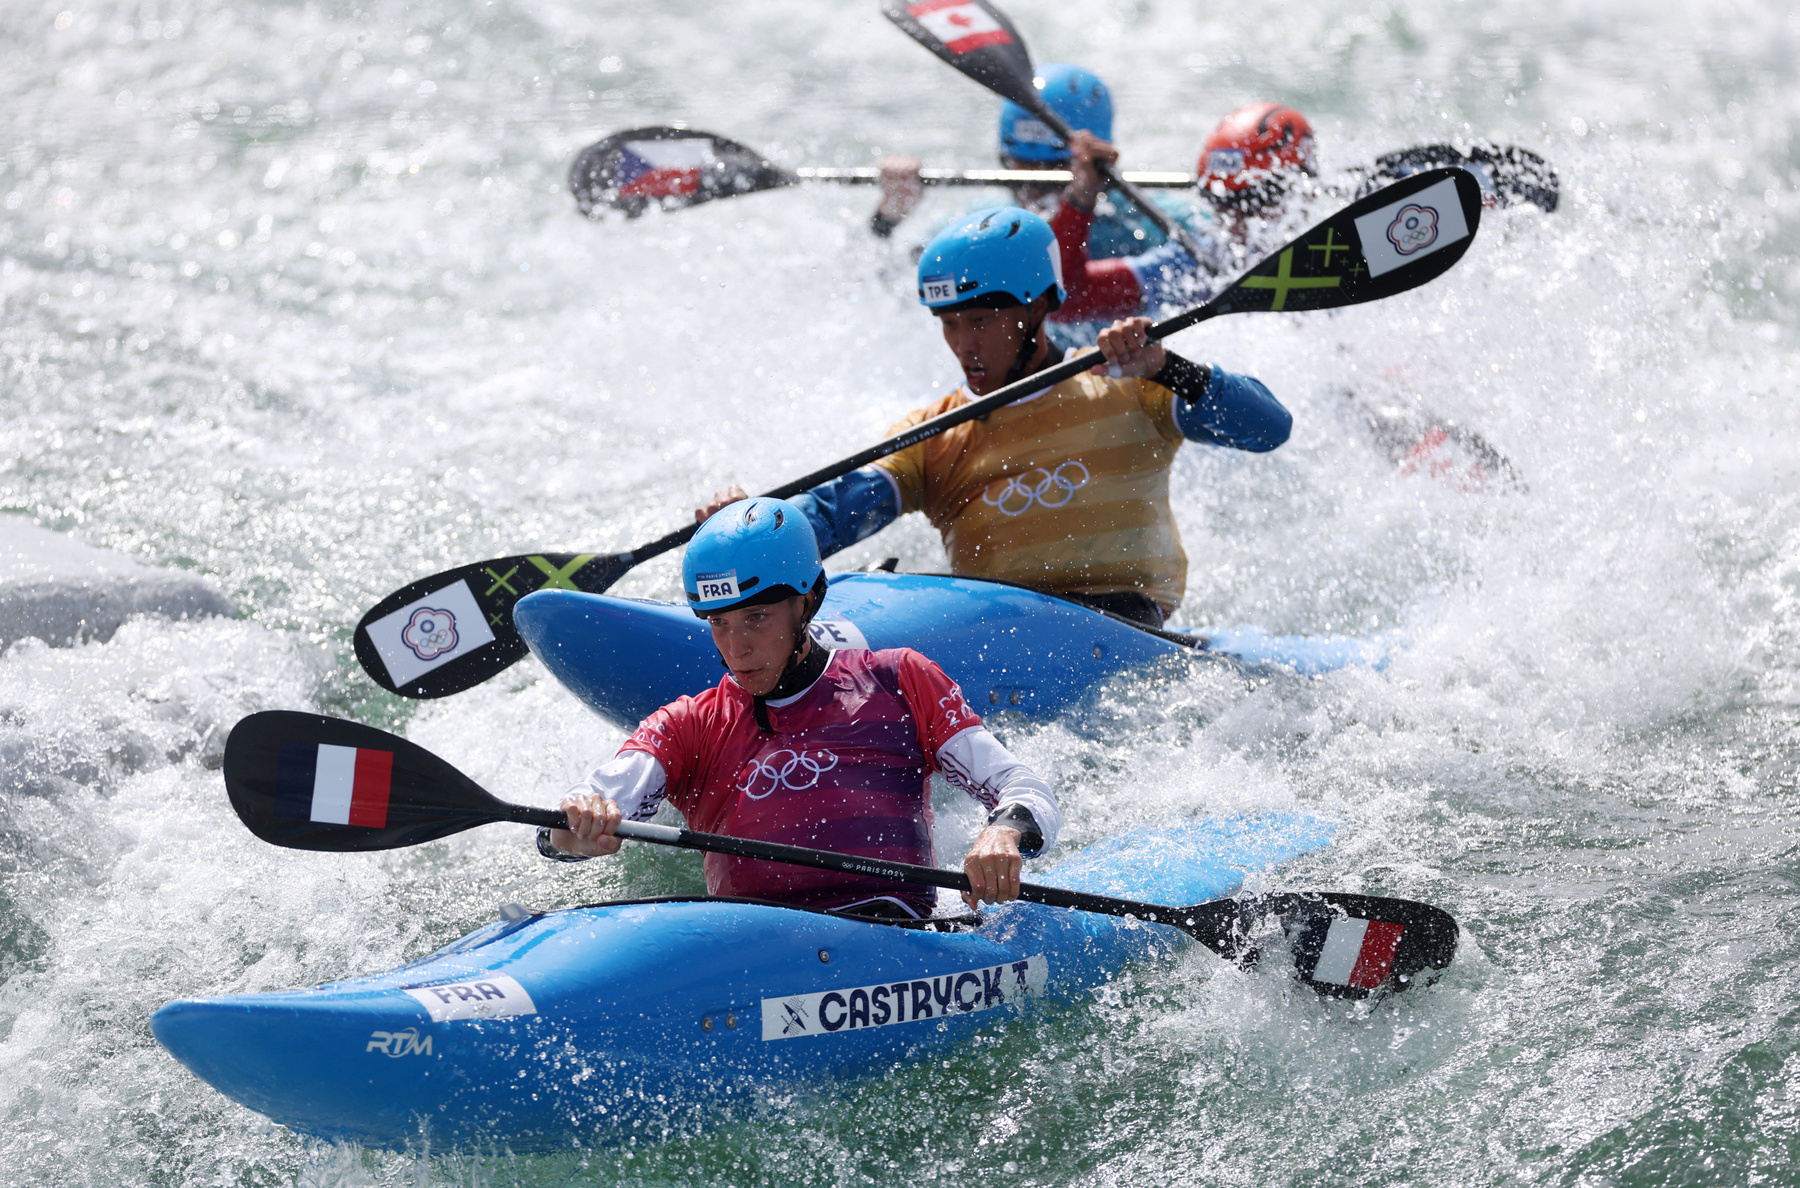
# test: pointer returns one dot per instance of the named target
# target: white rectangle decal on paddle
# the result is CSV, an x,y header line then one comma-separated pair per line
x,y
334,779
687,152
907,1001
430,631
1412,228
837,633
493,997
1343,945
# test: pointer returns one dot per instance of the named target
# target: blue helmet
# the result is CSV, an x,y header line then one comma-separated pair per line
x,y
749,553
991,259
1077,95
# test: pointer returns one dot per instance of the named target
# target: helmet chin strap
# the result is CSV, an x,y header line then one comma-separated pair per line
x,y
1027,349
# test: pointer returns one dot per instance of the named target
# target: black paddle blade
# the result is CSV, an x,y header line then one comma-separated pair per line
x,y
671,167
1344,945
1509,175
1395,239
976,38
309,782
453,630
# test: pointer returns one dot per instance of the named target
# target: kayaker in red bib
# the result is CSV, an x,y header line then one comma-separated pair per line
x,y
1065,490
1249,167
806,746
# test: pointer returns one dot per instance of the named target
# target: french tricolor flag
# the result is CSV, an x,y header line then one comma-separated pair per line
x,y
1357,953
332,784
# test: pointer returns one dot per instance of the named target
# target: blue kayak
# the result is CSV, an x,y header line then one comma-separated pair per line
x,y
1007,646
591,1021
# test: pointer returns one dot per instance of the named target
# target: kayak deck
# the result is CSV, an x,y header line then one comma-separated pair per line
x,y
1008,647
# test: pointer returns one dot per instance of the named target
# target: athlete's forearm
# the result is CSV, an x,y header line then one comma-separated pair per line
x,y
1217,407
848,509
1097,289
976,762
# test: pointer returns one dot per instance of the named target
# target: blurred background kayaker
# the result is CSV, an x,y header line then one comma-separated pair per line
x,y
1249,166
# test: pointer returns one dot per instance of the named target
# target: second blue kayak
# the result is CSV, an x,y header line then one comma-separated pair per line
x,y
1008,647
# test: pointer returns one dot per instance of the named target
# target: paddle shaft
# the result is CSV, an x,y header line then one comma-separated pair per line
x,y
879,868
867,175
1295,278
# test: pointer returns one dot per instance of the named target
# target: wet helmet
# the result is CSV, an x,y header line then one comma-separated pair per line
x,y
992,259
1077,95
750,553
1250,150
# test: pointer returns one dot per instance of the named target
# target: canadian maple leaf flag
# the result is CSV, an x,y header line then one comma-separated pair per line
x,y
959,24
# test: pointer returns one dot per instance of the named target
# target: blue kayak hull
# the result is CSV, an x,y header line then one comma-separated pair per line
x,y
1008,647
598,1021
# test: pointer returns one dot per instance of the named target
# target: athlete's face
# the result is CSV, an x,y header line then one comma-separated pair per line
x,y
756,641
1033,197
985,342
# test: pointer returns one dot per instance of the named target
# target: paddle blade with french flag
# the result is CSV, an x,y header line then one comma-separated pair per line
x,y
1352,946
310,782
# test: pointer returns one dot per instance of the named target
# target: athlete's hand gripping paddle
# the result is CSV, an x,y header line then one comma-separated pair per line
x,y
451,631
674,168
309,782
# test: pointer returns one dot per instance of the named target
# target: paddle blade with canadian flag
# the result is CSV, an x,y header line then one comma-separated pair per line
x,y
976,38
309,782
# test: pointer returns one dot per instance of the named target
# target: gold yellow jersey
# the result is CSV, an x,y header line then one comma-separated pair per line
x,y
1067,492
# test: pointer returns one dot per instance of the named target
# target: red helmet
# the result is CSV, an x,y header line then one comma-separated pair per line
x,y
1251,146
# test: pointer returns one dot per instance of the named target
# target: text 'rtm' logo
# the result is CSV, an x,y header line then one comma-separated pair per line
x,y
399,1043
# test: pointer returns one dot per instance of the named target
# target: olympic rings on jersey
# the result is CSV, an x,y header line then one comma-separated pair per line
x,y
780,772
1044,488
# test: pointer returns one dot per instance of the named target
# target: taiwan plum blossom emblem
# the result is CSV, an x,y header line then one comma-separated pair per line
x,y
430,633
1415,227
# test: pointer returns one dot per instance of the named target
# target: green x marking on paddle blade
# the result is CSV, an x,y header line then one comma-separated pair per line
x,y
558,579
501,581
1329,246
1283,280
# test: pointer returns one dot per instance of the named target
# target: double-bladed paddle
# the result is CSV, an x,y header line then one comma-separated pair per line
x,y
453,630
310,782
675,168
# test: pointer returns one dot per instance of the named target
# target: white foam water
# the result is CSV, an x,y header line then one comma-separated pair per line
x,y
295,298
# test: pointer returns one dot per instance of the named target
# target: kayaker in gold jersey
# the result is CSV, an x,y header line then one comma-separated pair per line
x,y
1065,490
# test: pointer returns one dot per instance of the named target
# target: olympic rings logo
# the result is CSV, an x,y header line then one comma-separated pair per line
x,y
1040,487
797,772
